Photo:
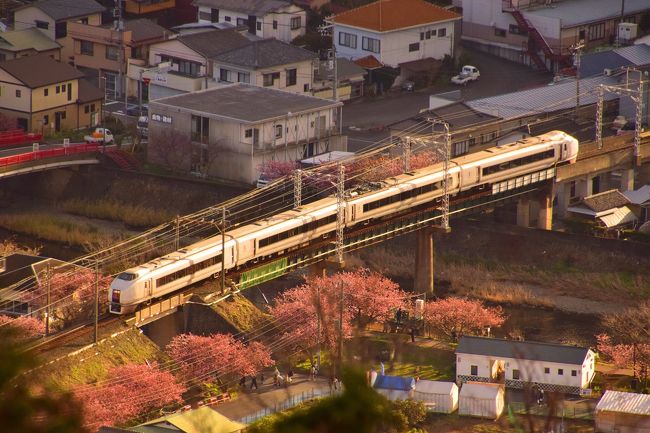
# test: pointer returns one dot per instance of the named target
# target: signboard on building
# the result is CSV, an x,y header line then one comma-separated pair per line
x,y
161,118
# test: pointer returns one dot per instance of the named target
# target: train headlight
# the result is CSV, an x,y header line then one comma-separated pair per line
x,y
115,297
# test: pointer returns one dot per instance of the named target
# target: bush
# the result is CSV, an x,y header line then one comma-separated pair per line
x,y
411,411
131,215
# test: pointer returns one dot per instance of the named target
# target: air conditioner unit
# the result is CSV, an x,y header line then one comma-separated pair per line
x,y
627,31
608,72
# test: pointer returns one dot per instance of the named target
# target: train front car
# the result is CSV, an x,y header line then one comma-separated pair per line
x,y
568,146
122,292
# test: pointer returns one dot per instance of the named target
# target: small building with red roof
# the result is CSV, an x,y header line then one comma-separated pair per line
x,y
396,31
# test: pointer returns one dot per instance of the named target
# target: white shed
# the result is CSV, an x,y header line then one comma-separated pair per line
x,y
437,396
623,412
484,400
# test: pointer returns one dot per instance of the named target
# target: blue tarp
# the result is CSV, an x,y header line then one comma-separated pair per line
x,y
398,383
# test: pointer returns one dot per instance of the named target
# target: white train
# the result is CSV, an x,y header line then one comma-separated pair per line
x,y
499,168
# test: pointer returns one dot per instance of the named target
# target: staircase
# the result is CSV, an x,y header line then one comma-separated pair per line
x,y
536,43
123,160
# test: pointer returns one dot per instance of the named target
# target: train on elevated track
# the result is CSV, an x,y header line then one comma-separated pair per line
x,y
498,169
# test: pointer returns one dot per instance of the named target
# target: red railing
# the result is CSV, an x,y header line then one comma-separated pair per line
x,y
18,136
49,153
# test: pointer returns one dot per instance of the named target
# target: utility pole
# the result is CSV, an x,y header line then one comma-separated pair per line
x,y
47,308
340,212
223,249
121,57
406,154
577,52
96,299
297,188
335,93
177,237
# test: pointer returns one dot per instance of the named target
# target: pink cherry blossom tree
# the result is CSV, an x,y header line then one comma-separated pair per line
x,y
626,355
453,317
276,169
218,356
28,327
131,391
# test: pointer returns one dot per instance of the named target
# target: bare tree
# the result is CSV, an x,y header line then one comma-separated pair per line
x,y
170,148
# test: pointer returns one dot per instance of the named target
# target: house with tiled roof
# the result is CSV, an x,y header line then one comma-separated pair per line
x,y
396,32
53,16
27,42
610,210
278,19
47,102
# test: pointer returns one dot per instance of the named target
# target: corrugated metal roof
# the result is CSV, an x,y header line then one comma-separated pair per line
x,y
622,215
572,13
530,350
480,390
435,387
637,54
394,382
639,196
626,402
542,99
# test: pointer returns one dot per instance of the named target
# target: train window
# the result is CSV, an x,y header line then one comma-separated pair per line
x,y
401,196
310,226
508,165
212,261
127,276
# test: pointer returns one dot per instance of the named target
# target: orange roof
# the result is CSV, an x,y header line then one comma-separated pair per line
x,y
369,62
388,15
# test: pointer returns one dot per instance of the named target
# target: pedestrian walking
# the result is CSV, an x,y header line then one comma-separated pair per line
x,y
381,368
262,378
331,383
289,376
254,383
312,373
336,384
242,382
412,335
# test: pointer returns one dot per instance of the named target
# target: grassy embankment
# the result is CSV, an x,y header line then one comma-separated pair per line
x,y
92,365
57,229
113,210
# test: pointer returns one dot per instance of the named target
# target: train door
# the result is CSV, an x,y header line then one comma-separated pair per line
x,y
148,289
353,213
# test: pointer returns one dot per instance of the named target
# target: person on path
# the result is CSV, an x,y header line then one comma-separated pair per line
x,y
254,383
336,384
276,377
242,382
262,378
381,368
289,376
312,373
412,335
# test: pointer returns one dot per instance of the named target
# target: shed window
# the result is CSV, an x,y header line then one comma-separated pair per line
x,y
560,372
515,374
474,370
547,370
574,373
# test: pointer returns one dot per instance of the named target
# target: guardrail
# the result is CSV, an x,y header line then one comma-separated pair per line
x,y
49,153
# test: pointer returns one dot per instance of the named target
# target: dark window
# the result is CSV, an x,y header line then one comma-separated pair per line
x,y
214,15
275,25
62,115
305,228
560,371
421,36
424,189
86,48
248,133
296,23
433,32
515,374
58,89
200,129
259,26
112,52
474,370
92,108
227,18
414,47
213,261
347,40
18,93
574,373
69,91
242,22
87,109
442,33
83,20
126,276
499,32
224,75
42,24
185,67
46,119
269,79
204,16
547,370
46,91
61,29
305,88
428,34
516,30
292,77
278,131
370,44
508,165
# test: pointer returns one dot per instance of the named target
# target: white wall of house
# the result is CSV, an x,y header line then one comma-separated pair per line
x,y
303,80
272,25
399,46
530,371
174,79
8,99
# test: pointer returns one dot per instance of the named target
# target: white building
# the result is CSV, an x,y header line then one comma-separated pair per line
x,y
396,31
229,131
264,18
437,396
483,400
553,367
623,412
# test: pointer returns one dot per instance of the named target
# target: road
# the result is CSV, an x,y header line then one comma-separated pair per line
x,y
365,120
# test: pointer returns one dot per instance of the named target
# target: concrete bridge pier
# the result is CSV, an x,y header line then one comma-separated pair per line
x,y
627,180
545,213
425,256
523,212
